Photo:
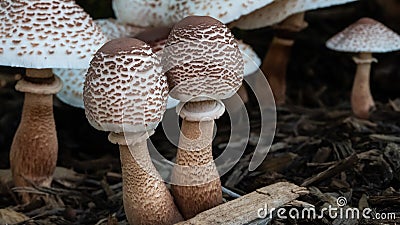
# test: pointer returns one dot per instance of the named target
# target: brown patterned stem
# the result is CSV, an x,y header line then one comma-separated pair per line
x,y
33,154
197,184
146,197
276,60
361,98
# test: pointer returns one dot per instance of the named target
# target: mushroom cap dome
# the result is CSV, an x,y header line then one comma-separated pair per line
x,y
202,60
124,90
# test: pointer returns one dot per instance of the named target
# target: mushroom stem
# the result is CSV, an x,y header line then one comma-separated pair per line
x,y
276,60
361,98
196,180
145,196
33,152
274,67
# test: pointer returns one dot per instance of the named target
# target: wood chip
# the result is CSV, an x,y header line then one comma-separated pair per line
x,y
243,210
333,170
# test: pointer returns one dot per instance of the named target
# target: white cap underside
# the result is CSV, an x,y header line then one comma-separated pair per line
x,y
152,13
279,10
222,10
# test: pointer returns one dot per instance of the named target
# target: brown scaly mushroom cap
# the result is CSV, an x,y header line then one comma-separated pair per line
x,y
365,35
124,89
202,60
47,34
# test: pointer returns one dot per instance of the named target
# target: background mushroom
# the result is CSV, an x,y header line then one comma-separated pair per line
x,y
125,94
365,37
73,79
40,35
287,16
204,65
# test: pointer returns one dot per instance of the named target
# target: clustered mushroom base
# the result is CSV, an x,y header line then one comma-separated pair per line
x,y
33,154
146,198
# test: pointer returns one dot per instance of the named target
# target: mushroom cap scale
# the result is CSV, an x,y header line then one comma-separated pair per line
x,y
47,34
365,35
124,89
279,10
202,60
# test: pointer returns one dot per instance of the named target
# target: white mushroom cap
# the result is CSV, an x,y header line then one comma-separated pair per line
x,y
72,91
202,60
114,29
225,11
124,90
365,35
145,13
47,34
279,10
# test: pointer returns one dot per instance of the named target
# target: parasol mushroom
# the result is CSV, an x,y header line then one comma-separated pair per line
x,y
204,65
125,94
287,18
366,36
40,35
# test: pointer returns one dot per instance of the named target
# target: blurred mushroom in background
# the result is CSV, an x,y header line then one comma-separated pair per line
x,y
287,19
366,36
